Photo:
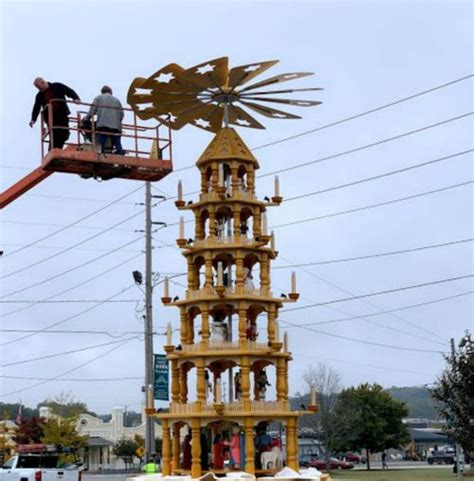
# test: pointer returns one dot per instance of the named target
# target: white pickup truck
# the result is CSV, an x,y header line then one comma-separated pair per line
x,y
37,467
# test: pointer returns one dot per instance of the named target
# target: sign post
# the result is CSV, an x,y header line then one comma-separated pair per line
x,y
161,377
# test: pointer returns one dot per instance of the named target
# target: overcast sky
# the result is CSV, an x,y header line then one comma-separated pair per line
x,y
364,54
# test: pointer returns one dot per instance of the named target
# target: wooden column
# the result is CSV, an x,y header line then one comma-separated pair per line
x,y
190,273
236,214
209,282
175,448
215,176
257,222
183,384
234,169
166,449
204,186
212,221
183,325
190,339
200,381
264,273
195,448
249,447
239,272
271,324
251,179
242,325
245,382
291,444
175,390
280,380
286,380
205,333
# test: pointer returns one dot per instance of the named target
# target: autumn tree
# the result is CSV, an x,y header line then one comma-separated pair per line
x,y
63,432
455,392
369,418
29,431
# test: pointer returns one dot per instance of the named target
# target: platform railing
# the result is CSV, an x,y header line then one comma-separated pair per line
x,y
140,138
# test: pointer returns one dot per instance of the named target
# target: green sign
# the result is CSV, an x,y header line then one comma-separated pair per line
x,y
161,377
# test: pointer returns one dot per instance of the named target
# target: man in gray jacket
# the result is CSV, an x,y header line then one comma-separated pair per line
x,y
109,119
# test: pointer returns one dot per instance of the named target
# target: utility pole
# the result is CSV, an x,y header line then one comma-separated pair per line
x,y
149,374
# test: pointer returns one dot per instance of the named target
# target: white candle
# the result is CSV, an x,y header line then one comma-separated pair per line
x,y
312,401
180,190
277,186
285,342
264,223
277,331
181,228
166,287
169,335
272,242
220,274
221,175
293,282
218,391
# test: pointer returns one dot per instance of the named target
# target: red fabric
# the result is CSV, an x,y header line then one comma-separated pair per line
x,y
218,455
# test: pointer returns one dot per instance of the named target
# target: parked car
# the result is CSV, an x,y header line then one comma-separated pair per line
x,y
37,462
441,457
334,463
355,458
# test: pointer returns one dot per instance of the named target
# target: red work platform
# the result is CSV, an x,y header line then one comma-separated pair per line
x,y
105,166
148,155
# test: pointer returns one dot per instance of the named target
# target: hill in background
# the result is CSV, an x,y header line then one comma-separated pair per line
x,y
418,400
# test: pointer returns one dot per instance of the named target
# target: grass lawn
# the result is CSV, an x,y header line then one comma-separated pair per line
x,y
396,475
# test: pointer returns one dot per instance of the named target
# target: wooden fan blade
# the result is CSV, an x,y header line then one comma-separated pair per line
x,y
240,117
287,91
208,74
244,73
164,77
284,77
269,112
299,103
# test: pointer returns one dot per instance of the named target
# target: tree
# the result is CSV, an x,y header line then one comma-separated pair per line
x,y
65,405
455,392
125,448
29,431
63,432
328,385
369,418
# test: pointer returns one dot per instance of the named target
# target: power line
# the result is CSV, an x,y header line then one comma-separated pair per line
x,y
65,353
389,311
113,334
378,293
363,341
368,146
45,224
380,254
58,323
90,249
100,379
69,301
67,249
78,266
366,112
69,289
373,206
64,373
62,229
376,177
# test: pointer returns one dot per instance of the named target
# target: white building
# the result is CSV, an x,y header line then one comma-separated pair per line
x,y
103,435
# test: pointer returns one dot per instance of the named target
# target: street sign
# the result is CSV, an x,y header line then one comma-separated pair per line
x,y
161,377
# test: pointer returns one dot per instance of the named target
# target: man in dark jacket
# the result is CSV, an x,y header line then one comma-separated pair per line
x,y
48,91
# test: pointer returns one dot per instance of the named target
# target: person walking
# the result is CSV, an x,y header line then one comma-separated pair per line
x,y
110,114
53,94
384,460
